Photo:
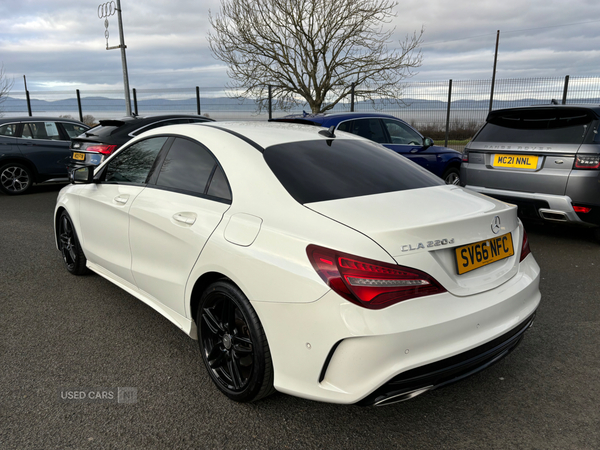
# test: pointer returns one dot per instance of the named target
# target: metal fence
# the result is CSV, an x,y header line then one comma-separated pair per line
x,y
448,111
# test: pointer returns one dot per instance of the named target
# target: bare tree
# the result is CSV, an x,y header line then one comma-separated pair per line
x,y
90,120
5,87
312,50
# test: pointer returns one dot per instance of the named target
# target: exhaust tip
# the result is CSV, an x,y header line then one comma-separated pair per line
x,y
402,397
555,216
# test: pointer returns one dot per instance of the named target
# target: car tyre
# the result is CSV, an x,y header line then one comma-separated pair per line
x,y
15,178
233,344
451,176
69,246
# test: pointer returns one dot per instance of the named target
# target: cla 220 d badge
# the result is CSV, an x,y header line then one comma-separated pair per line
x,y
428,244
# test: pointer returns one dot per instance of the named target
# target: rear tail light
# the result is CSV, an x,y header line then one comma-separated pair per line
x,y
104,149
582,209
587,162
525,250
465,156
368,283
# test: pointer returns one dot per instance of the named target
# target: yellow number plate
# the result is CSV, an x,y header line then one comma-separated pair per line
x,y
473,256
79,156
516,161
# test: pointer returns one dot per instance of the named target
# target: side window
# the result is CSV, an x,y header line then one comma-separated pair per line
x,y
8,130
219,187
72,129
369,128
401,133
345,126
27,132
187,167
133,164
41,130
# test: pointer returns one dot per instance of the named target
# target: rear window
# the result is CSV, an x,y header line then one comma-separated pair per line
x,y
539,126
101,131
315,171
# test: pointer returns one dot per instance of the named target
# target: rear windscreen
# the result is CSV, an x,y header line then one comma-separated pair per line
x,y
537,126
100,131
315,171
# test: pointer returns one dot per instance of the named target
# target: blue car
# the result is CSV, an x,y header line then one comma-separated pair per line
x,y
394,134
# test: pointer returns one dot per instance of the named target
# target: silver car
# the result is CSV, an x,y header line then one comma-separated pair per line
x,y
545,159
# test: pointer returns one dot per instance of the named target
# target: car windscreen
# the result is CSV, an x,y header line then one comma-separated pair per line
x,y
320,170
537,126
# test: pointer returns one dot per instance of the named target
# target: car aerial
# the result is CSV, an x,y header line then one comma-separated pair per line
x,y
91,147
319,265
544,159
392,133
35,150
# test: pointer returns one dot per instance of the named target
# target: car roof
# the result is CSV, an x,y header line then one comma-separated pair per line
x,y
39,119
266,134
328,119
590,107
121,129
256,133
142,120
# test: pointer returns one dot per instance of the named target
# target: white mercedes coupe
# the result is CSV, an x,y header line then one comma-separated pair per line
x,y
316,264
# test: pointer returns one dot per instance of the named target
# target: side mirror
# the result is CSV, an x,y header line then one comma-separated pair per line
x,y
83,174
428,142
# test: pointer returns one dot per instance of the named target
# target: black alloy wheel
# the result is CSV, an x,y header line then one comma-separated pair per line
x,y
233,344
451,176
69,246
15,179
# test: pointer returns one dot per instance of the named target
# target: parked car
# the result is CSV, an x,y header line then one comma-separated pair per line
x,y
330,268
544,159
34,150
394,134
93,146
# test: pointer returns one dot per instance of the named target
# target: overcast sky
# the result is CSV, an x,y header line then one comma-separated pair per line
x,y
60,44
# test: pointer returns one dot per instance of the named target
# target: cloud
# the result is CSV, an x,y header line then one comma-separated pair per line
x,y
60,43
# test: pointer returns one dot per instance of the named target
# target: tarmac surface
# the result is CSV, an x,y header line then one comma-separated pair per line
x,y
61,334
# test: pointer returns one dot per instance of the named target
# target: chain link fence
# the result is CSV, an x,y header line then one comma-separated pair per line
x,y
448,111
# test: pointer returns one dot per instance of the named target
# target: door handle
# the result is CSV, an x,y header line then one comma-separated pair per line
x,y
188,219
122,199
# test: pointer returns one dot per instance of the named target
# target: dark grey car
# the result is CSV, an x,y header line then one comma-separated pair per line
x,y
34,150
545,159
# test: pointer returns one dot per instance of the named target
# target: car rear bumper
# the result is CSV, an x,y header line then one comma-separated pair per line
x,y
554,208
91,158
332,350
447,371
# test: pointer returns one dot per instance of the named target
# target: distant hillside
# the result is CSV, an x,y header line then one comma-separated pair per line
x,y
105,106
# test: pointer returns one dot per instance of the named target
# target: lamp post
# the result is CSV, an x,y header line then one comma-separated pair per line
x,y
105,10
494,71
